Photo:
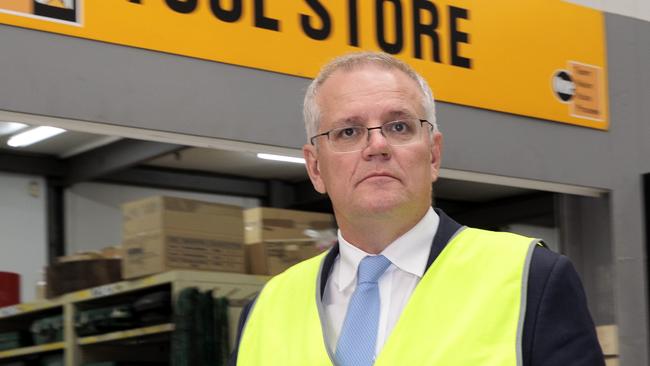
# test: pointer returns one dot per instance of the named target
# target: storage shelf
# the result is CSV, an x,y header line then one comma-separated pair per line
x,y
238,288
32,350
125,334
222,278
164,278
19,309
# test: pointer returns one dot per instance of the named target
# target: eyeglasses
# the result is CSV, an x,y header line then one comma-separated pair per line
x,y
355,138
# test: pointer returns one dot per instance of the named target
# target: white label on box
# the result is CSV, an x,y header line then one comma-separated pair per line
x,y
104,290
9,311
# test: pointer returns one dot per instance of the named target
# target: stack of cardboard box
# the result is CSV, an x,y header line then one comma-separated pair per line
x,y
277,238
162,233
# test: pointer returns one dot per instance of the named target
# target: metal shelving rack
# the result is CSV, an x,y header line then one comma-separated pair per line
x,y
238,288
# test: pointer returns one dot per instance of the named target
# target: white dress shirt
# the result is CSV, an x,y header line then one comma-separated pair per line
x,y
408,255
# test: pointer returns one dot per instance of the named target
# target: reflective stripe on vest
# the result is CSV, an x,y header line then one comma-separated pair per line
x,y
468,309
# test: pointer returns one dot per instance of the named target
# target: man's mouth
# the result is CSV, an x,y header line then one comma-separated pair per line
x,y
380,175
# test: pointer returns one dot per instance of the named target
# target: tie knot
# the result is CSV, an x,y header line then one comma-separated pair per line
x,y
371,268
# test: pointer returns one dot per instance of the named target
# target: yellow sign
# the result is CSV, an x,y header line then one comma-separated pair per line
x,y
539,58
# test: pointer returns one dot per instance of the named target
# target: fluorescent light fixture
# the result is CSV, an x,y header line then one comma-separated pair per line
x,y
33,136
288,159
7,128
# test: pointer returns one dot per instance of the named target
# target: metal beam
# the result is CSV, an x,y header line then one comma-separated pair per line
x,y
55,220
306,198
280,194
189,181
501,212
453,207
113,158
304,193
33,164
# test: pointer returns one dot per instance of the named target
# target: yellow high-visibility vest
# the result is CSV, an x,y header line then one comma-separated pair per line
x,y
468,309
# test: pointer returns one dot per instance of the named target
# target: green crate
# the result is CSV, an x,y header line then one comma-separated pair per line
x,y
11,340
48,329
103,320
51,360
16,363
9,336
5,345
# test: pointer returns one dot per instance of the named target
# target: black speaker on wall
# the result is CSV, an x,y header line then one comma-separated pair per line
x,y
56,12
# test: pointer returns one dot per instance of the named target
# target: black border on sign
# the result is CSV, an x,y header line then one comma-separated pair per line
x,y
55,12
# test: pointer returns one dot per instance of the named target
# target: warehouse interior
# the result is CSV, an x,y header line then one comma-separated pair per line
x,y
83,179
154,118
88,177
72,159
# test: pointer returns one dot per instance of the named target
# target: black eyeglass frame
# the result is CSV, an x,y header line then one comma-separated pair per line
x,y
327,133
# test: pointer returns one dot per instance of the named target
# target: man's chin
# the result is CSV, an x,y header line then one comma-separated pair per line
x,y
380,206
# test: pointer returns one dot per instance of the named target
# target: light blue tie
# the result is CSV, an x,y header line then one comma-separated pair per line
x,y
358,339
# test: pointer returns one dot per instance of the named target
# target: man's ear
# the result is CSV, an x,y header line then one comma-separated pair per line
x,y
313,169
436,155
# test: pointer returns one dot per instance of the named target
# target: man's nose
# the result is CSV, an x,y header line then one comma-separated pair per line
x,y
377,144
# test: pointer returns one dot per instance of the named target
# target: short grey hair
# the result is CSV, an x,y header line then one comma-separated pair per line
x,y
355,60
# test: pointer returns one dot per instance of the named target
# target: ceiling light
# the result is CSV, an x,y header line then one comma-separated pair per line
x,y
33,136
7,128
288,159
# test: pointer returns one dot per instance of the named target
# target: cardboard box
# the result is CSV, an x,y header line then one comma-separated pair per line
x,y
179,214
272,258
73,275
608,338
159,251
263,224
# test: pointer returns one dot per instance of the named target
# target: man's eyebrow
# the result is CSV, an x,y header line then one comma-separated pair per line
x,y
388,116
400,113
349,121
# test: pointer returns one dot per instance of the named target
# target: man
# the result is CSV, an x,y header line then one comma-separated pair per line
x,y
406,285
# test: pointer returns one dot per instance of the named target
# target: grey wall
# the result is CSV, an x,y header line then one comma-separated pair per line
x,y
549,234
22,230
634,8
62,76
642,49
629,57
586,237
66,77
93,220
93,214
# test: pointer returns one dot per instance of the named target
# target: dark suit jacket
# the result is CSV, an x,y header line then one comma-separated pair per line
x,y
558,329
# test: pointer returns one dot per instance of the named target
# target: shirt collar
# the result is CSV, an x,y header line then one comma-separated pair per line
x,y
409,252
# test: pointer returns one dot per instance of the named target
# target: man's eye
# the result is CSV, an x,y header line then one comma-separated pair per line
x,y
399,127
345,133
